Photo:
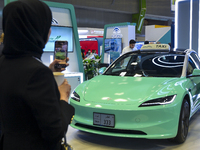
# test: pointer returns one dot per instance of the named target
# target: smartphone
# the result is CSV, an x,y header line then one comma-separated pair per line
x,y
61,52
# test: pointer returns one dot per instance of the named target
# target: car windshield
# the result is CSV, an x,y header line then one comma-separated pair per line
x,y
147,65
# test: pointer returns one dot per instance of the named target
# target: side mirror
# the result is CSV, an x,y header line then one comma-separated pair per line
x,y
196,72
101,70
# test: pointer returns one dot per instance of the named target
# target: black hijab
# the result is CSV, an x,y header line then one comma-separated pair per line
x,y
26,25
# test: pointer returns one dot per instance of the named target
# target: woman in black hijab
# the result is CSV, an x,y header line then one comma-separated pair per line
x,y
34,112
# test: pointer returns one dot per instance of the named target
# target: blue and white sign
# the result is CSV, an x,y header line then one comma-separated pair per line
x,y
117,33
116,30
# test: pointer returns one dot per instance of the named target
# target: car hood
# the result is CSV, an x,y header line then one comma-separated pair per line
x,y
129,90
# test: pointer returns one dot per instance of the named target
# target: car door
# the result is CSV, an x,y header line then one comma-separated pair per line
x,y
194,63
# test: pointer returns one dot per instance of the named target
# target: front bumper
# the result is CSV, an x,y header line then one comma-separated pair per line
x,y
154,122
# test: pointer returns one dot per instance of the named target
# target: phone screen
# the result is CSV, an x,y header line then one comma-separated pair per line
x,y
61,52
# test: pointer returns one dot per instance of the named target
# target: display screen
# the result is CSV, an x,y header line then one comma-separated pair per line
x,y
59,33
61,48
138,45
113,45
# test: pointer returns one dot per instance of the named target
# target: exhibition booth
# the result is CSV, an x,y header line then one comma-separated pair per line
x,y
116,37
65,30
94,43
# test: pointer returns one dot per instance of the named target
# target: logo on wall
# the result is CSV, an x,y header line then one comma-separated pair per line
x,y
116,30
117,33
54,22
51,39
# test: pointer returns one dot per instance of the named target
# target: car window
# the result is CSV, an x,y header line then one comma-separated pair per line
x,y
191,66
167,65
147,65
195,59
120,66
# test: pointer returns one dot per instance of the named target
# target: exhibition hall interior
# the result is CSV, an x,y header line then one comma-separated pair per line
x,y
145,99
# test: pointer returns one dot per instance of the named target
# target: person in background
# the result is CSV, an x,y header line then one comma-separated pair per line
x,y
82,53
35,113
146,42
94,52
131,47
88,53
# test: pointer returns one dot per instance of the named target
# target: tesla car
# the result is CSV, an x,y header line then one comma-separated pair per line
x,y
149,93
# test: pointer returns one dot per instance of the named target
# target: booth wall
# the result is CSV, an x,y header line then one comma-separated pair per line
x,y
165,39
156,33
182,25
187,25
89,45
195,26
127,32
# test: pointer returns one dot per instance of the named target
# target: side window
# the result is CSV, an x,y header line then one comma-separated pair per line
x,y
191,66
121,65
195,59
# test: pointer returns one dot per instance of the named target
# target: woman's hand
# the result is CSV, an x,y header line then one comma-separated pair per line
x,y
56,61
65,90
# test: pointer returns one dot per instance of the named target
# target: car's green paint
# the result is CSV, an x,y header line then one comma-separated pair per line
x,y
123,95
101,70
156,121
129,90
196,72
159,123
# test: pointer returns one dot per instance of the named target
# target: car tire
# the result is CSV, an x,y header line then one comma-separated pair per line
x,y
183,125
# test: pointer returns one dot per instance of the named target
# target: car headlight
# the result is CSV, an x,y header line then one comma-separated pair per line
x,y
159,101
75,96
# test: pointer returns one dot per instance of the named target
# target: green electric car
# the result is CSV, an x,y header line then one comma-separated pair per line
x,y
149,93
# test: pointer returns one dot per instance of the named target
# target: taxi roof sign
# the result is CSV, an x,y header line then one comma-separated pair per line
x,y
155,47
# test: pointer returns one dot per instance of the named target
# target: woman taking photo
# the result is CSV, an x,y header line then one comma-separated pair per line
x,y
34,111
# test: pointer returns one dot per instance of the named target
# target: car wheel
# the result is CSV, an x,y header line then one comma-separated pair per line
x,y
183,123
